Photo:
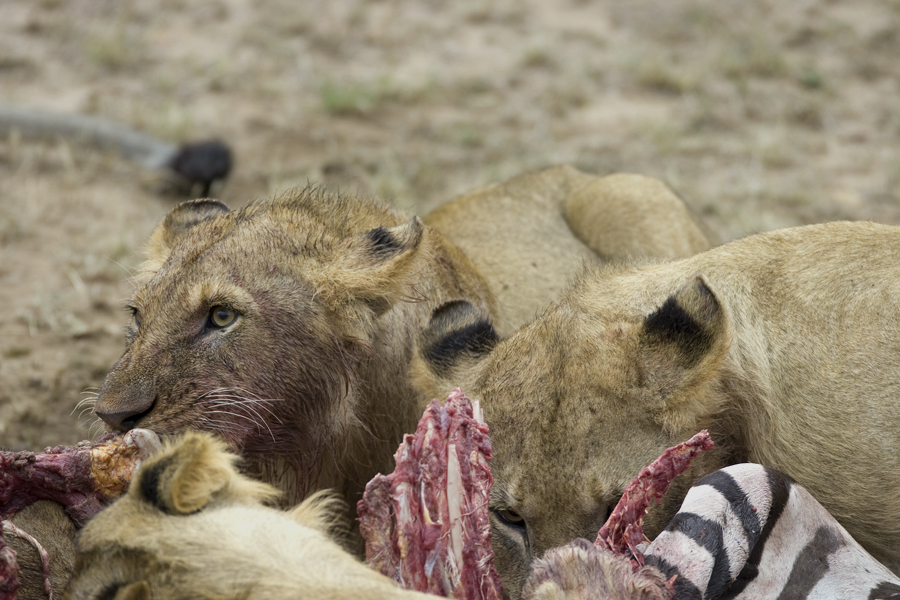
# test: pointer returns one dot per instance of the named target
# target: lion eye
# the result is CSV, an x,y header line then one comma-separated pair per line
x,y
134,313
611,507
510,517
222,316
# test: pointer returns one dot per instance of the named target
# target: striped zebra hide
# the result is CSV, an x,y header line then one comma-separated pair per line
x,y
746,532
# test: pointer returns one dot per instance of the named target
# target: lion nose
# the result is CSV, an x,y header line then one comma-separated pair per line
x,y
122,404
123,421
123,414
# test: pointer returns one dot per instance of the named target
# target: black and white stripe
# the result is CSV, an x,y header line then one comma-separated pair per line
x,y
750,532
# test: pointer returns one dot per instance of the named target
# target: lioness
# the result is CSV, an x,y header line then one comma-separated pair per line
x,y
784,345
191,527
288,326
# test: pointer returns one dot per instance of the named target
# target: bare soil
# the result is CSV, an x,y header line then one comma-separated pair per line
x,y
762,114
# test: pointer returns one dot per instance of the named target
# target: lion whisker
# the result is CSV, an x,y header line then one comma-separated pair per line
x,y
220,399
214,425
246,417
205,394
227,390
247,404
91,433
86,404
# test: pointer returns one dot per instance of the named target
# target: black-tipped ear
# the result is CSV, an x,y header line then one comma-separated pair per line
x,y
176,225
682,345
378,269
182,478
187,215
457,331
386,242
687,325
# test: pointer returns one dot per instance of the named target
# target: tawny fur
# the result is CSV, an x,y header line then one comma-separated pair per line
x,y
228,546
582,571
310,382
519,233
783,344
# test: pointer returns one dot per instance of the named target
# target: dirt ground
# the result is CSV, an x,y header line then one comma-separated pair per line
x,y
762,114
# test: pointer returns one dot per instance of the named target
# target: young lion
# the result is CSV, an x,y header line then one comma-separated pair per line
x,y
288,326
783,344
191,527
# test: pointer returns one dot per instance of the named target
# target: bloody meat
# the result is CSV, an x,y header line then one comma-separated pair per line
x,y
83,479
612,567
9,572
624,529
426,524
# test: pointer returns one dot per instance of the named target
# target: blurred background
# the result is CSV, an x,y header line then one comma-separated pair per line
x,y
761,114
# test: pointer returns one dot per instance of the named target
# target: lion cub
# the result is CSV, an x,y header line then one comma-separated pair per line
x,y
191,527
786,345
287,326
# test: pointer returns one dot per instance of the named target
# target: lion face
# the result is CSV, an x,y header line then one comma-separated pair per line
x,y
578,402
552,417
266,326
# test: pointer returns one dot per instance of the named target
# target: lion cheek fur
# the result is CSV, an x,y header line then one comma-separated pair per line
x,y
281,419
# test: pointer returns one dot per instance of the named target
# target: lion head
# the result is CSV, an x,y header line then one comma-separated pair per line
x,y
192,527
285,327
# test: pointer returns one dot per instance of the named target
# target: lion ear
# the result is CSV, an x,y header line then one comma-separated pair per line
x,y
175,227
139,590
458,336
183,477
386,243
682,345
186,474
376,269
457,331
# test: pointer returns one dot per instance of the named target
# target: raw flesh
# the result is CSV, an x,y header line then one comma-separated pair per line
x,y
426,524
83,479
624,529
